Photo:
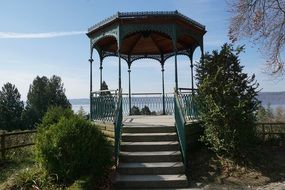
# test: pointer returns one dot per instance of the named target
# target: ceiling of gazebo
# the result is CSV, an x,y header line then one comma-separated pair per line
x,y
146,33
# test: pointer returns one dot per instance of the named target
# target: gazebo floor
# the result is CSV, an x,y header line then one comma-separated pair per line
x,y
160,120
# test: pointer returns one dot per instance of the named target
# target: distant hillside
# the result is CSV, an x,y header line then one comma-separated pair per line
x,y
80,101
273,98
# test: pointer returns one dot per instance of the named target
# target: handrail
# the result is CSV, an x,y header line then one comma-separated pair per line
x,y
104,105
146,93
180,125
190,89
118,126
100,91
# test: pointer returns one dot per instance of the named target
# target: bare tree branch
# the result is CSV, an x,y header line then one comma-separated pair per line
x,y
263,22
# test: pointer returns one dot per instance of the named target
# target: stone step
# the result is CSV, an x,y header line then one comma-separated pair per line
x,y
158,156
148,137
151,181
149,129
150,146
151,168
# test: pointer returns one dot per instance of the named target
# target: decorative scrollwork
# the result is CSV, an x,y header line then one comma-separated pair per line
x,y
119,32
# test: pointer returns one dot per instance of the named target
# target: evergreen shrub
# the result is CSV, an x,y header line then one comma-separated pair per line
x,y
72,147
227,102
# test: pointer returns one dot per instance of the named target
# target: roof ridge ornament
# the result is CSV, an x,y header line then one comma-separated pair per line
x,y
144,13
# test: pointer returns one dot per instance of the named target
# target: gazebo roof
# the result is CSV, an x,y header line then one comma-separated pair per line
x,y
146,35
127,15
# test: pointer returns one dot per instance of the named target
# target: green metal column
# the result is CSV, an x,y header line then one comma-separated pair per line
x,y
174,41
91,61
130,95
163,91
101,68
120,68
192,76
202,52
176,72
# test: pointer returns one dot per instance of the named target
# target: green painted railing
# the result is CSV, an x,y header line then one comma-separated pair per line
x,y
187,98
154,101
107,107
104,105
180,125
118,126
185,110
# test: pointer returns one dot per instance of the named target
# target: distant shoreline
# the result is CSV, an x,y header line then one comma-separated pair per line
x,y
274,99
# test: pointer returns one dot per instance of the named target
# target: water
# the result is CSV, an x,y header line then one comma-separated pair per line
x,y
76,107
154,104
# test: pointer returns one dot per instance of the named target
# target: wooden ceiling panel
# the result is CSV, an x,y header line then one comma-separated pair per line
x,y
107,43
145,45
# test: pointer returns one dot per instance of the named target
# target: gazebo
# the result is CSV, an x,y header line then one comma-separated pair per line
x,y
133,36
137,35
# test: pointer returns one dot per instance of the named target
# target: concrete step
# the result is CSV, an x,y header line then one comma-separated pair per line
x,y
150,146
159,156
151,168
148,137
151,181
149,129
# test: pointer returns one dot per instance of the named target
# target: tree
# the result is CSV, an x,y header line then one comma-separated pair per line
x,y
264,22
279,114
265,115
146,111
81,112
227,102
135,111
104,86
11,107
42,94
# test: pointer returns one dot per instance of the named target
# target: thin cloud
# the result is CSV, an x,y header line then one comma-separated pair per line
x,y
15,35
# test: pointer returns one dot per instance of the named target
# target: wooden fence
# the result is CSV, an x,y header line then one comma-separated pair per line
x,y
13,140
271,131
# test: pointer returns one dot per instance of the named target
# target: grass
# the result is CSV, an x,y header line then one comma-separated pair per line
x,y
21,171
16,160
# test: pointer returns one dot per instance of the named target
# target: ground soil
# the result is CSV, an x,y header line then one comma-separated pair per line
x,y
266,171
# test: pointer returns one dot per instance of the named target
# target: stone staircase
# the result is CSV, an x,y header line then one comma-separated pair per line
x,y
150,158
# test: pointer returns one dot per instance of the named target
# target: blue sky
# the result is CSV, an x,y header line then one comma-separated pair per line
x,y
46,37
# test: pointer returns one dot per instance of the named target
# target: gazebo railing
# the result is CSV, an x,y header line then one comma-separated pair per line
x,y
187,97
104,105
154,101
107,107
185,110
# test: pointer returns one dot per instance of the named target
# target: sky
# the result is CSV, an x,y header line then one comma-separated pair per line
x,y
47,37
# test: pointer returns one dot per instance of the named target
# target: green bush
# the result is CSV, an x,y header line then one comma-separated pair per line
x,y
72,148
54,114
135,110
227,102
146,111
